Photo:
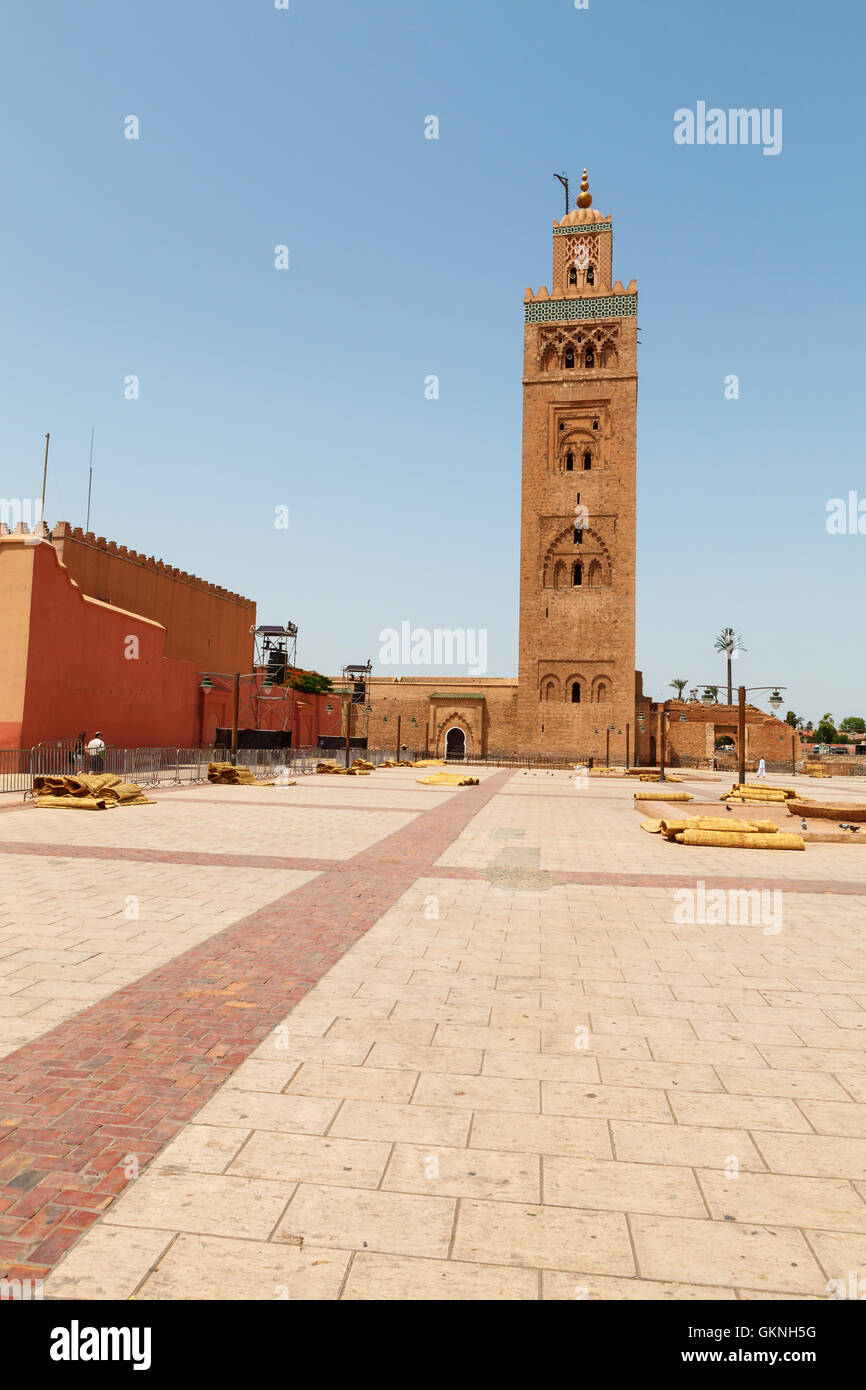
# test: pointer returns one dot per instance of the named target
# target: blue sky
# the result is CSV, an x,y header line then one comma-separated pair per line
x,y
409,257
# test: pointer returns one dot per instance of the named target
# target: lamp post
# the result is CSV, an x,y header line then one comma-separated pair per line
x,y
348,698
608,731
775,701
663,728
235,677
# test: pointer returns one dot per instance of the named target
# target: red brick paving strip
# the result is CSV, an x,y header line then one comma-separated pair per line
x,y
124,1076
170,856
589,878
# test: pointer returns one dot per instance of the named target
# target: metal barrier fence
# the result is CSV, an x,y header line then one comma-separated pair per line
x,y
149,767
154,767
15,769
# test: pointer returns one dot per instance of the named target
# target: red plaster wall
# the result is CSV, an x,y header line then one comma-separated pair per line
x,y
203,623
78,677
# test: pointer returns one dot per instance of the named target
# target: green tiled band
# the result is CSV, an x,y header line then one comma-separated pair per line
x,y
612,306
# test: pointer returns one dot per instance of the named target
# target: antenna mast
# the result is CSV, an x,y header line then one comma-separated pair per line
x,y
90,478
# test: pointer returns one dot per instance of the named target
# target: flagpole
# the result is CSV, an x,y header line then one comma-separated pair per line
x,y
44,481
90,478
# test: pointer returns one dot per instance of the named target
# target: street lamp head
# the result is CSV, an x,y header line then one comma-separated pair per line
x,y
775,699
207,685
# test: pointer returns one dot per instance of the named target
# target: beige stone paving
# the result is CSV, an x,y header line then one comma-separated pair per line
x,y
69,935
520,1093
191,823
585,828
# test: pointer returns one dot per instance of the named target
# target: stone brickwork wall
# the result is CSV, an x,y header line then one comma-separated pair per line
x,y
577,563
437,704
692,731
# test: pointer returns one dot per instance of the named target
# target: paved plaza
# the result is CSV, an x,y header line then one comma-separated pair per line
x,y
360,1038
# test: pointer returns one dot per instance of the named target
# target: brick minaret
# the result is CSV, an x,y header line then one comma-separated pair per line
x,y
577,557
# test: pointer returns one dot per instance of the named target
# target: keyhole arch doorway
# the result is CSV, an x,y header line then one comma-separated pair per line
x,y
455,744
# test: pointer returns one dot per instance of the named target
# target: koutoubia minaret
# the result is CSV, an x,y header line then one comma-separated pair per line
x,y
577,554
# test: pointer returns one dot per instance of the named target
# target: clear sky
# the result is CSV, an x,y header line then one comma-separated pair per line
x,y
261,388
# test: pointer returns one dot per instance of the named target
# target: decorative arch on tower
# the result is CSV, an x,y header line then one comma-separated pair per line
x,y
577,442
575,679
601,690
591,553
556,340
549,689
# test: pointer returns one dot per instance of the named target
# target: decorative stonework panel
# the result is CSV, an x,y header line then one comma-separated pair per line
x,y
613,306
588,227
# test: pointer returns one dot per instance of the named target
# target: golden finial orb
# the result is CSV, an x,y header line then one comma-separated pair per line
x,y
584,199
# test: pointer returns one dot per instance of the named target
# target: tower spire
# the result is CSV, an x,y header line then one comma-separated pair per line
x,y
584,199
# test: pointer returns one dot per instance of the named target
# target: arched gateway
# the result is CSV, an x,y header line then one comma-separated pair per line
x,y
455,744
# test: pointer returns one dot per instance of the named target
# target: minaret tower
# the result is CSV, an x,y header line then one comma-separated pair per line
x,y
577,554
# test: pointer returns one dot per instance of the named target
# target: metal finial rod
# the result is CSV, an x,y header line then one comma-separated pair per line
x,y
563,179
90,478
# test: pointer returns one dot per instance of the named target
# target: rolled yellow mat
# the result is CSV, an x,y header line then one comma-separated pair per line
x,y
739,827
765,787
447,779
74,803
754,799
671,828
652,827
663,796
729,840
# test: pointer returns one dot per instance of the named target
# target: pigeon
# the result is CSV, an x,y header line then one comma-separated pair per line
x,y
729,808
844,826
803,823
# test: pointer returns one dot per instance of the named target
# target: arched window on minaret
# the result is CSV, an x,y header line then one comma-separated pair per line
x,y
572,276
575,693
601,695
577,576
569,462
590,275
578,535
590,356
587,461
569,358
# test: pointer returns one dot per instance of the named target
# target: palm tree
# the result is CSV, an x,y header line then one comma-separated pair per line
x,y
679,685
729,642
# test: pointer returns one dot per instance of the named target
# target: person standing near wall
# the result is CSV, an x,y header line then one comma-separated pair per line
x,y
96,752
76,755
